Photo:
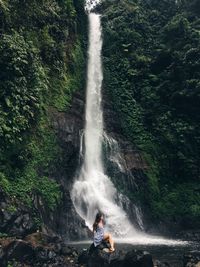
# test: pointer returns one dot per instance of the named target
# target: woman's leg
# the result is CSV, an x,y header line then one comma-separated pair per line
x,y
108,237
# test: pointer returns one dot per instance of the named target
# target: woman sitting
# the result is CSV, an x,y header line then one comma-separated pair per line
x,y
99,233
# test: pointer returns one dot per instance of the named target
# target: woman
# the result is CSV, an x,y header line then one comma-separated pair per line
x,y
99,233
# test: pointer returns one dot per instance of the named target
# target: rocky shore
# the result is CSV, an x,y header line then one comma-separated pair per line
x,y
41,250
36,250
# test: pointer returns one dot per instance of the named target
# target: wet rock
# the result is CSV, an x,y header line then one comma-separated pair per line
x,y
68,127
15,219
161,264
69,251
117,259
125,164
20,251
99,258
191,259
2,257
138,259
83,257
102,258
45,255
40,250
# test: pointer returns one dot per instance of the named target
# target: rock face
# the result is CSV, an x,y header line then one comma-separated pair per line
x,y
125,166
68,127
157,263
99,258
15,219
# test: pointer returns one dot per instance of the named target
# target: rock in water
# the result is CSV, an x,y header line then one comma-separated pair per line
x,y
191,259
83,257
161,264
100,258
138,258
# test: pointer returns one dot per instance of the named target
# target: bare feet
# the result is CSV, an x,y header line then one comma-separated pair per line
x,y
112,249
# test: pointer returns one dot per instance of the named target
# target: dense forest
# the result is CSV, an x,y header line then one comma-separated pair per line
x,y
42,63
151,94
152,72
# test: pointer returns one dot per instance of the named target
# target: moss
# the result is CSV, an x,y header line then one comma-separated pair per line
x,y
11,208
70,79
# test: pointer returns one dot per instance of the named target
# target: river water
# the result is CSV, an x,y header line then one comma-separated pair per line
x,y
172,254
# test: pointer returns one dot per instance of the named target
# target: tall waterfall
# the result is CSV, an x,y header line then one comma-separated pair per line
x,y
93,190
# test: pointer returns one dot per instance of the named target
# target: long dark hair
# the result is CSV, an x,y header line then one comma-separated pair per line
x,y
97,220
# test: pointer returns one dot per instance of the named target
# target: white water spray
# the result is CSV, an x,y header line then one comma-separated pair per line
x,y
93,190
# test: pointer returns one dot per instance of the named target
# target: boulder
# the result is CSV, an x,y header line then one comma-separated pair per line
x,y
191,259
83,257
37,250
2,257
20,251
100,257
15,219
161,264
138,258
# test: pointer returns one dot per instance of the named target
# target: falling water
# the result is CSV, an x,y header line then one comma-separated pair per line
x,y
93,189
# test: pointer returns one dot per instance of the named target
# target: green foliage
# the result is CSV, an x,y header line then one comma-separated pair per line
x,y
41,65
69,80
21,86
12,208
183,200
30,177
11,263
151,66
31,186
2,235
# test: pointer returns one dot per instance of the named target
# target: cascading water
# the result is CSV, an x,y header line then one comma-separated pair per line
x,y
92,189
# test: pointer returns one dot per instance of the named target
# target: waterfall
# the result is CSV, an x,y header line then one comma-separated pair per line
x,y
93,190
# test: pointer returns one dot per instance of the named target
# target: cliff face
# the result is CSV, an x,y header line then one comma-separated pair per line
x,y
68,127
